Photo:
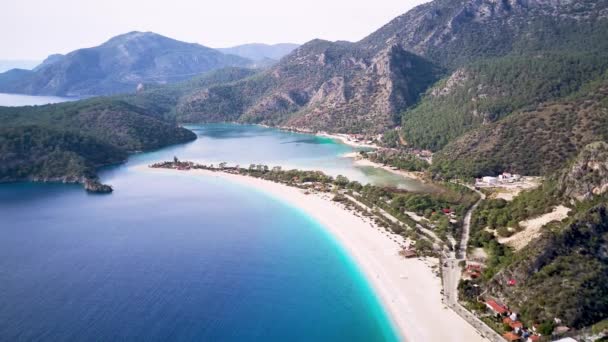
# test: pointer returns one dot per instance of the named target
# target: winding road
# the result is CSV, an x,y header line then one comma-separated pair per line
x,y
452,273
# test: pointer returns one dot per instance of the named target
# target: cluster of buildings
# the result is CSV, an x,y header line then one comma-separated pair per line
x,y
502,179
517,331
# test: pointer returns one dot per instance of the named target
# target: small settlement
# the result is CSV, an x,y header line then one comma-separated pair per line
x,y
502,179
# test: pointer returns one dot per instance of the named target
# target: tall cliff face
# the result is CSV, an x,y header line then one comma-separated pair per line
x,y
324,86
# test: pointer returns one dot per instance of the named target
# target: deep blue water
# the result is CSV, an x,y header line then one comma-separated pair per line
x,y
180,257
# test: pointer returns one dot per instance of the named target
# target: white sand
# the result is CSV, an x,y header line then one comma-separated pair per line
x,y
402,173
347,140
533,228
408,289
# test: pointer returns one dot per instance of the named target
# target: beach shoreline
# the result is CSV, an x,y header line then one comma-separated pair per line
x,y
360,161
408,289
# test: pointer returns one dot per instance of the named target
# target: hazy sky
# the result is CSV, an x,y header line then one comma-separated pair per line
x,y
33,29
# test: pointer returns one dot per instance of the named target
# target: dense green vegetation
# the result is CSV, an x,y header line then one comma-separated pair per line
x,y
37,153
116,125
536,141
114,122
564,275
498,214
400,159
491,89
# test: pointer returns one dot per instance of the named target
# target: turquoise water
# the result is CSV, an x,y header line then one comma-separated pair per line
x,y
246,144
180,257
16,100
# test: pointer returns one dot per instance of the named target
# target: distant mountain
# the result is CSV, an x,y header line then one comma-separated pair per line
x,y
119,65
7,64
260,52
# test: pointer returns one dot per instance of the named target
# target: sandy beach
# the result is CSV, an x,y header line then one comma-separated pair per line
x,y
366,162
345,139
408,288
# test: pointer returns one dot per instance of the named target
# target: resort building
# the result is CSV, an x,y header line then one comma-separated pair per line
x,y
496,307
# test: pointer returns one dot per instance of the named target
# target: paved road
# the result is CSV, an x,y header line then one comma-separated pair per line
x,y
452,273
466,225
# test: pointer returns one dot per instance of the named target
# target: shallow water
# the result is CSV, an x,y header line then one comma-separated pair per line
x,y
179,257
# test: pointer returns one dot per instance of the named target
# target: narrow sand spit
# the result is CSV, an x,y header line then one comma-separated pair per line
x,y
408,288
402,173
533,227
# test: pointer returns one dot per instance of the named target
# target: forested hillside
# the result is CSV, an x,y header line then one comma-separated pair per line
x,y
45,154
488,90
534,141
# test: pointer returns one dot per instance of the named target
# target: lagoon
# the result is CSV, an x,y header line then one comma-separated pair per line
x,y
181,257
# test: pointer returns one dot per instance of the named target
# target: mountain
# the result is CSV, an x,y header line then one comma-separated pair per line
x,y
260,52
532,141
119,65
505,60
8,64
453,33
322,85
563,272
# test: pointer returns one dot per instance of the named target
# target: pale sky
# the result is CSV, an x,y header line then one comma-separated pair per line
x,y
33,29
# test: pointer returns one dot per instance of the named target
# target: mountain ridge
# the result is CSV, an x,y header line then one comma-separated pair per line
x,y
119,65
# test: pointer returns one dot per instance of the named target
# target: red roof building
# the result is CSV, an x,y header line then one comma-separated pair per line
x,y
497,308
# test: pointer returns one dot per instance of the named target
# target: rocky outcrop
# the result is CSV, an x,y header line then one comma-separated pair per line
x,y
94,186
588,175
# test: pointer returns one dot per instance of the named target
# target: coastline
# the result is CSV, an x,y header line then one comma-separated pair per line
x,y
366,162
345,139
407,288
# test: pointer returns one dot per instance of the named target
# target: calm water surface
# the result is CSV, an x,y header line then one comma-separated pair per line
x,y
180,257
16,100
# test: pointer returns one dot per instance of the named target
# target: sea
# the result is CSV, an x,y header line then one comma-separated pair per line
x,y
185,258
17,100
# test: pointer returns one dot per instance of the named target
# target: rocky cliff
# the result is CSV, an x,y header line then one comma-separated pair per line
x,y
321,85
588,175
